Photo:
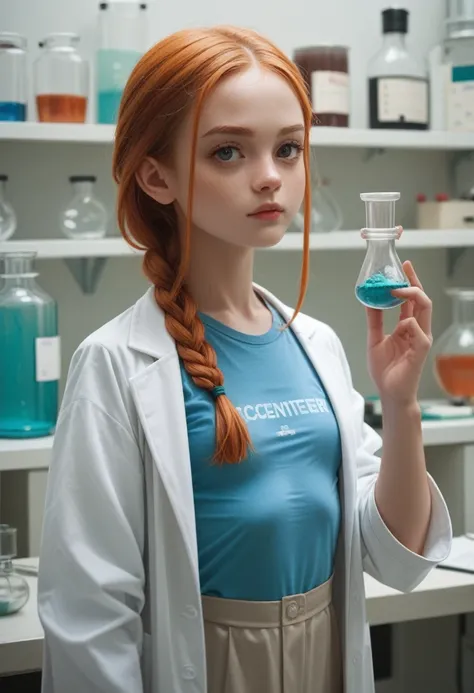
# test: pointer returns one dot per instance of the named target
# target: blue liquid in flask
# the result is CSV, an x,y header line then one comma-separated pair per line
x,y
12,111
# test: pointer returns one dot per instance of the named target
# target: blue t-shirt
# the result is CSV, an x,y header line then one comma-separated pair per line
x,y
268,526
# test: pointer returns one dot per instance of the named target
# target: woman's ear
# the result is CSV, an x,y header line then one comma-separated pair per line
x,y
154,179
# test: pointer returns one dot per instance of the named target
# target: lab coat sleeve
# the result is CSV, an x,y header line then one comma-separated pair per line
x,y
384,557
91,579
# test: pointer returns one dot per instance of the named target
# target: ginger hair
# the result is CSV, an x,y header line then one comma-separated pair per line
x,y
174,77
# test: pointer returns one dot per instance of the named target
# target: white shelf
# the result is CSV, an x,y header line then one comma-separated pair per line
x,y
442,593
68,248
34,453
337,240
320,136
25,453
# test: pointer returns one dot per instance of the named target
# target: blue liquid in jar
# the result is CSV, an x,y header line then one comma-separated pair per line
x,y
375,292
113,70
28,409
12,111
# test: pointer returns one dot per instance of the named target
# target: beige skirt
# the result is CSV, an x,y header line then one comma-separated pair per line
x,y
287,646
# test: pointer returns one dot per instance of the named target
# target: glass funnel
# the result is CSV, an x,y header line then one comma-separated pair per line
x,y
381,271
14,590
454,350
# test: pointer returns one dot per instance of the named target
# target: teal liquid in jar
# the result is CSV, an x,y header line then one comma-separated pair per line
x,y
113,70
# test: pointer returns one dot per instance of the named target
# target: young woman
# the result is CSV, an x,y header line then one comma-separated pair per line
x,y
214,495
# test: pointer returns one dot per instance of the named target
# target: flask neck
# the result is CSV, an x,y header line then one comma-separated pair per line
x,y
394,41
6,564
463,310
17,270
83,189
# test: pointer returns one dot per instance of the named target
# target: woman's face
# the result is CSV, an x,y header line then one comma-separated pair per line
x,y
249,154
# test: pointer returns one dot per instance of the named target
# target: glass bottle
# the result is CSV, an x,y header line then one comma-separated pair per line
x,y
454,350
7,213
325,70
123,40
398,83
381,271
14,590
85,216
61,79
29,351
326,214
13,91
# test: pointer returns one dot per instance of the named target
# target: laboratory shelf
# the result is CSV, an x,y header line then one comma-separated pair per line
x,y
337,240
92,133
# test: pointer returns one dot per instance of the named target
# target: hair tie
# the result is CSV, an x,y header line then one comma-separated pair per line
x,y
217,391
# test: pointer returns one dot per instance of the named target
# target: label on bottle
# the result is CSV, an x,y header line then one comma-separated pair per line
x,y
403,100
48,359
330,92
461,98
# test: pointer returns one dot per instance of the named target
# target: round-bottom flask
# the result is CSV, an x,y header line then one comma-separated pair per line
x,y
381,271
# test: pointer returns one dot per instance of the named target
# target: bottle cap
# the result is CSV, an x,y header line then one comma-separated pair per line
x,y
395,21
82,179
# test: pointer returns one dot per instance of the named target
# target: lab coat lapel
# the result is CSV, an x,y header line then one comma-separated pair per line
x,y
158,395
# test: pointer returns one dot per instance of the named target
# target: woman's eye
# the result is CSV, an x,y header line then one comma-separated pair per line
x,y
291,150
227,154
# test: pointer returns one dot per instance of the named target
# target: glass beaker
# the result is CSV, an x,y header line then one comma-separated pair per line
x,y
85,216
29,351
13,92
454,351
123,40
381,271
14,590
61,80
7,213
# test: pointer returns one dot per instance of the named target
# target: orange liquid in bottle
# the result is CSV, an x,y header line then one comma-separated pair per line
x,y
456,374
61,108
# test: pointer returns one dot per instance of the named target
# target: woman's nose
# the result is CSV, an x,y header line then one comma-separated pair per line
x,y
267,177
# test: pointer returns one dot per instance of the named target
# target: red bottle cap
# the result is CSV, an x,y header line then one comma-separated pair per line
x,y
441,197
421,197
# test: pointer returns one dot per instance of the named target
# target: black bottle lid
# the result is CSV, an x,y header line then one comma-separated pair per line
x,y
82,179
3,177
395,21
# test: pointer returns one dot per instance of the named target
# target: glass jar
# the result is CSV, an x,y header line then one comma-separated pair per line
x,y
454,351
14,590
7,213
85,216
381,271
123,40
13,91
61,80
29,351
326,72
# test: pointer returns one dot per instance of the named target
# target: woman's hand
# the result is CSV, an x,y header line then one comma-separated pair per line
x,y
396,361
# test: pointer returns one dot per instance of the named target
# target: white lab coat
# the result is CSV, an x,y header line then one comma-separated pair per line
x,y
119,593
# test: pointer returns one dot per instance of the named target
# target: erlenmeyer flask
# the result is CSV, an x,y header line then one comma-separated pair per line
x,y
326,214
382,271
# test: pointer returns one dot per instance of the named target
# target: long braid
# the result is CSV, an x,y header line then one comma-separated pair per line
x,y
198,357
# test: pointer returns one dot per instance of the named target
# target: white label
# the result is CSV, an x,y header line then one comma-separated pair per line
x,y
330,92
402,100
48,359
461,105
